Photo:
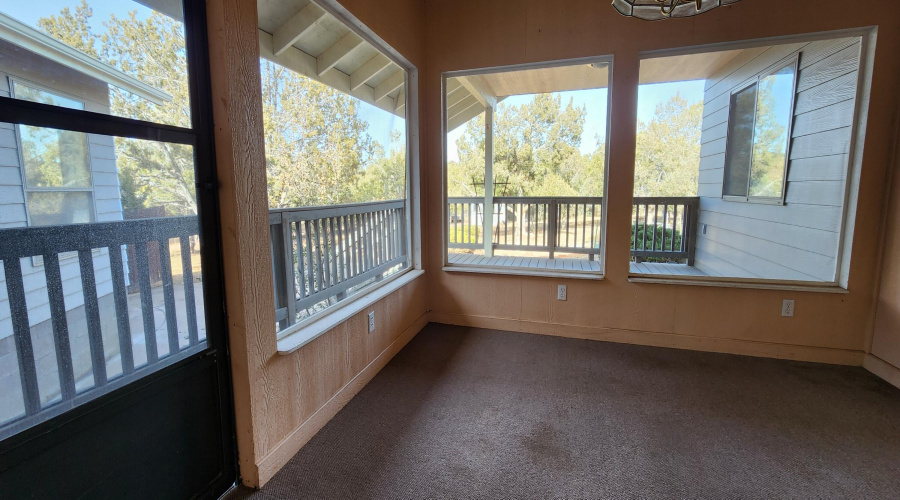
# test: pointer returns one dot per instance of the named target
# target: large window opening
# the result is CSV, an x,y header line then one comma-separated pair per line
x,y
744,164
337,161
525,168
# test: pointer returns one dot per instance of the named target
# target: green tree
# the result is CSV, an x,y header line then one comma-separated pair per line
x,y
316,142
536,152
317,145
667,154
384,178
153,51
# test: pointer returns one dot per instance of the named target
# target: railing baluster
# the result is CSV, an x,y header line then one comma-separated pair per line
x,y
382,243
644,239
165,264
655,221
360,249
345,245
120,298
637,209
15,287
143,265
674,227
311,268
665,219
187,277
60,327
322,254
333,253
92,315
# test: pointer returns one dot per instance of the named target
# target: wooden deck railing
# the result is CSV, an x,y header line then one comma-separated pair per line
x,y
48,243
319,253
664,227
572,225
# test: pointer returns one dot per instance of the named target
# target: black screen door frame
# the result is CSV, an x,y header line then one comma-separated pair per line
x,y
125,410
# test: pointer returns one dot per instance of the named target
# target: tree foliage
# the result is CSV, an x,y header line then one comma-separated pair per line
x,y
667,154
536,152
318,150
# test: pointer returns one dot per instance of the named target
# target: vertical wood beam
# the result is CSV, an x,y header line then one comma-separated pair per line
x,y
243,209
487,219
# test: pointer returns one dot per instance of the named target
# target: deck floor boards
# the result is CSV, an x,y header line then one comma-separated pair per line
x,y
664,269
525,262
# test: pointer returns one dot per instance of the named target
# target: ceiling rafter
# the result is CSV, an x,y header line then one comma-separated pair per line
x,y
368,70
341,49
297,26
390,84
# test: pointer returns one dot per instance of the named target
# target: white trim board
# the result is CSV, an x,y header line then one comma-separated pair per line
x,y
290,342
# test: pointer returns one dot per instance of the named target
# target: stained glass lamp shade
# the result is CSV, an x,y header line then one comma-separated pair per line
x,y
654,10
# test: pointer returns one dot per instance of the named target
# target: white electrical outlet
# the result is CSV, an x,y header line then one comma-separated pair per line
x,y
371,321
561,292
787,308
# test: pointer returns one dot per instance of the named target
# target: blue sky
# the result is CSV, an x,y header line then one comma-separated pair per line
x,y
595,102
28,11
381,123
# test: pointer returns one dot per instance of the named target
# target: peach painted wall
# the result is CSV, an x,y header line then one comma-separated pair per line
x,y
282,400
886,335
467,34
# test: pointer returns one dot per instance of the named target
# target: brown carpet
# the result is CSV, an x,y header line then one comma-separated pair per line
x,y
470,413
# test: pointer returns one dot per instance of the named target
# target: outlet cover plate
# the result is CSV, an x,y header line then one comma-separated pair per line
x,y
561,292
787,308
371,321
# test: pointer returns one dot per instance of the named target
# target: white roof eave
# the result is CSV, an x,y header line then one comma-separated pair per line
x,y
33,40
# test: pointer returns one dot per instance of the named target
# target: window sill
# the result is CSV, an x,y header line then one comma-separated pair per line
x,y
524,271
733,283
304,333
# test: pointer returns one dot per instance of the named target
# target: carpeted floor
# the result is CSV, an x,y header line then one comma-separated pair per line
x,y
469,413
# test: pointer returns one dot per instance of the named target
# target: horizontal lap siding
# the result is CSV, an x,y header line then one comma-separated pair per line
x,y
107,203
799,240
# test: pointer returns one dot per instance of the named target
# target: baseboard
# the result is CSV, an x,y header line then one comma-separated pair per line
x,y
882,369
283,451
658,339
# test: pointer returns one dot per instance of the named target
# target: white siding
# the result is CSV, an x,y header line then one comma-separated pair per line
x,y
107,202
799,240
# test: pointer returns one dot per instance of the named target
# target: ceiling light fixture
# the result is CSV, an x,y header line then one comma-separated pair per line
x,y
654,10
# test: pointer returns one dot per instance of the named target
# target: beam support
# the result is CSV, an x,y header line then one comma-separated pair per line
x,y
488,216
368,70
333,55
400,103
295,27
392,83
475,87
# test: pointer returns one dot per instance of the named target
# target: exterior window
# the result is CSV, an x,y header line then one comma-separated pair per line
x,y
742,161
758,131
337,163
525,168
57,166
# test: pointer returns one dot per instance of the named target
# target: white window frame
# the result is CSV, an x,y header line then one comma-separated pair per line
x,y
308,329
868,38
13,82
445,227
794,63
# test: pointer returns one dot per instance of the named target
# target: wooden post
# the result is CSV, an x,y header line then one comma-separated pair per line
x,y
244,216
487,218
